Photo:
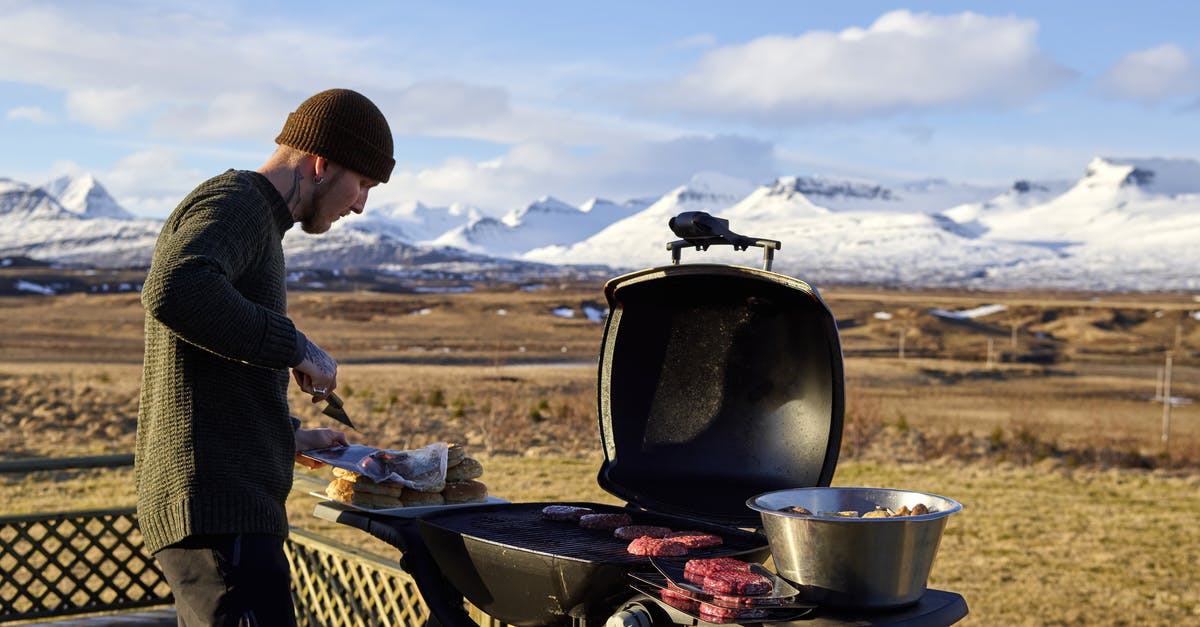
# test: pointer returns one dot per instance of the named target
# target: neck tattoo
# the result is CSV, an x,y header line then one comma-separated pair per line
x,y
292,199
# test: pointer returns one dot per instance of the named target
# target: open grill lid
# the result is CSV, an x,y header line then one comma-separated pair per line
x,y
717,383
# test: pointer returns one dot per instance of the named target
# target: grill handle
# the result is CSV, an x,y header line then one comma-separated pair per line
x,y
702,230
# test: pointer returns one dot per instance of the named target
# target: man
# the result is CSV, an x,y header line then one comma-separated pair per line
x,y
215,440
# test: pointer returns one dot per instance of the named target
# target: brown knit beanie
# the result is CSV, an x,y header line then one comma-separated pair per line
x,y
345,127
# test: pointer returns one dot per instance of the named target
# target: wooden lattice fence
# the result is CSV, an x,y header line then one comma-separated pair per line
x,y
336,585
74,563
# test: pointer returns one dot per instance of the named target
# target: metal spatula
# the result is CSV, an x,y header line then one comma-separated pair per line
x,y
336,409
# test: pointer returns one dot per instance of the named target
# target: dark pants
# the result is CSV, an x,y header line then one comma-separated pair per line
x,y
229,581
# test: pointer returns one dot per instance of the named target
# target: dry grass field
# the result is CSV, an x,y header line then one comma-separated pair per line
x,y
1075,512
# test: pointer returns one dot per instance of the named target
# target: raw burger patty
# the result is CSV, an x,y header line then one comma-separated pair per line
x,y
566,513
656,547
717,614
695,539
697,569
680,600
733,582
733,600
633,532
605,521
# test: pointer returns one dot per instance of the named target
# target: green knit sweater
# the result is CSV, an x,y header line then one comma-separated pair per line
x,y
215,442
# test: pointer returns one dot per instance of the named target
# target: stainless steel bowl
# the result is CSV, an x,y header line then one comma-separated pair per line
x,y
854,562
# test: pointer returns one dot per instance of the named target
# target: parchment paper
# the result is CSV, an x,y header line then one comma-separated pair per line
x,y
422,469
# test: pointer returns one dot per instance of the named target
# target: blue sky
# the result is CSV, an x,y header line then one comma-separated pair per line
x,y
495,104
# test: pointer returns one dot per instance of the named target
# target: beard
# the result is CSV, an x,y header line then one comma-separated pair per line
x,y
311,222
308,225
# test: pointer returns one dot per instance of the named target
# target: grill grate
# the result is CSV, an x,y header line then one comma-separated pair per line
x,y
520,526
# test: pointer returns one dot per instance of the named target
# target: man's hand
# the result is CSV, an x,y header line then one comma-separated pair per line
x,y
317,374
309,439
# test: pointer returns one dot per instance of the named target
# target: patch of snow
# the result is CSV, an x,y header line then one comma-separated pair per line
x,y
594,314
449,289
27,286
969,314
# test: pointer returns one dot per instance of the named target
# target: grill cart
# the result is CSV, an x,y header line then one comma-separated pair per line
x,y
716,383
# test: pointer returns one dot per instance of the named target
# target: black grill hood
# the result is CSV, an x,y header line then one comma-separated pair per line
x,y
717,383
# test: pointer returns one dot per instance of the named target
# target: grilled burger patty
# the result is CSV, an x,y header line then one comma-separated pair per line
x,y
608,522
565,513
695,539
633,532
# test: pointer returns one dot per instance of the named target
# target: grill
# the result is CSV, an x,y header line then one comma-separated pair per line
x,y
526,571
521,526
716,383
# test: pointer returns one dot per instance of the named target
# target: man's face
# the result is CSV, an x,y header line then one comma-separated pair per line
x,y
341,192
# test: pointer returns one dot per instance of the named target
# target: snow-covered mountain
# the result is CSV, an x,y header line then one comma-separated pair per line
x,y
412,222
1020,197
21,203
85,197
40,227
881,246
1116,200
547,222
1125,224
926,196
638,239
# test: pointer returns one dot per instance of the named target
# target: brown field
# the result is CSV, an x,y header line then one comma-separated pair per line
x,y
1075,511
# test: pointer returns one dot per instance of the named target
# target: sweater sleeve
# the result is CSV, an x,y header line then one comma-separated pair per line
x,y
205,249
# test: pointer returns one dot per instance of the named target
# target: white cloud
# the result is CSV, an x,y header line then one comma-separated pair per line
x,y
189,75
151,182
904,61
1152,76
199,75
213,75
445,105
240,113
37,115
106,108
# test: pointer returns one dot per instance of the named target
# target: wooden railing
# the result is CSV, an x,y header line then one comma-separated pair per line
x,y
82,562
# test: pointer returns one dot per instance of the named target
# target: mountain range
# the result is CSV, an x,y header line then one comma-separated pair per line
x,y
1124,224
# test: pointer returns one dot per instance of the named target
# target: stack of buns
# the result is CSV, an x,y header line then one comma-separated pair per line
x,y
460,486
